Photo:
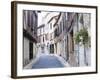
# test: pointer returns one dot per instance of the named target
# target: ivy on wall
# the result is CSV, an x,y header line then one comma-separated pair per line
x,y
83,37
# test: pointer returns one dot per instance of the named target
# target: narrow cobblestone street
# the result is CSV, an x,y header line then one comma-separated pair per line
x,y
47,61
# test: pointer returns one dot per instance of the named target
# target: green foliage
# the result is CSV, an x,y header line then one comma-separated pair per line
x,y
82,36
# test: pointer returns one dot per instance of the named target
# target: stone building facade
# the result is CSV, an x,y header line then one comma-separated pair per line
x,y
30,19
64,43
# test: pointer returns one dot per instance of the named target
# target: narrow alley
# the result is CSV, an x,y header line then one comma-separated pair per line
x,y
50,39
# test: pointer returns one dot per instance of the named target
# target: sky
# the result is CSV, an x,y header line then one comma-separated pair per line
x,y
44,17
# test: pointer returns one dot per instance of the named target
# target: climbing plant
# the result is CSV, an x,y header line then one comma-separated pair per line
x,y
83,37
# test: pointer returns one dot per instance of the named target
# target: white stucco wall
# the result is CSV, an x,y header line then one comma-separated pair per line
x,y
80,55
26,51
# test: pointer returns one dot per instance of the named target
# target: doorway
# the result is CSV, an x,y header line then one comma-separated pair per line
x,y
30,50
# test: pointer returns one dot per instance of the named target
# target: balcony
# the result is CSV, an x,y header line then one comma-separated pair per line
x,y
30,35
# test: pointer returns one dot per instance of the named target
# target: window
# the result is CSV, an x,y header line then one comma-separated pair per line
x,y
46,36
71,42
50,25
